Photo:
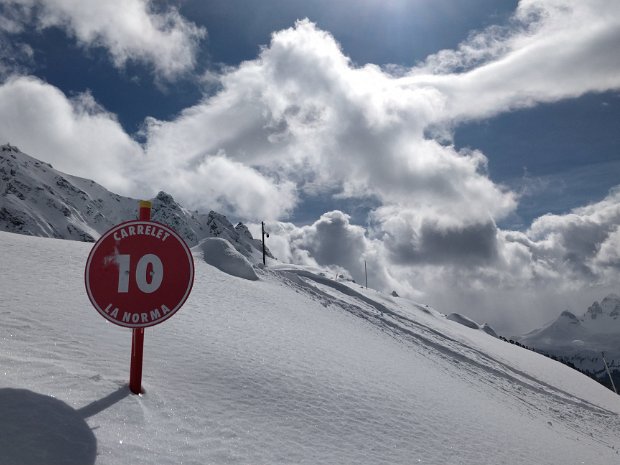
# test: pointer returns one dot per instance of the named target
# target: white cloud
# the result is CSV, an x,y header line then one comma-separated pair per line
x,y
303,111
221,184
79,137
607,258
334,244
554,49
582,241
131,30
75,135
333,240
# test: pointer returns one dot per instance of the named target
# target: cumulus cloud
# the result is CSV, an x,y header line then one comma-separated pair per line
x,y
222,184
303,111
607,258
333,240
333,243
131,30
68,133
582,240
431,242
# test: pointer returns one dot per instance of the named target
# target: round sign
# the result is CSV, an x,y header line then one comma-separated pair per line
x,y
139,274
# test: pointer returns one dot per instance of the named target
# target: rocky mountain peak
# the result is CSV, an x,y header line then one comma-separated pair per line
x,y
609,306
243,231
594,311
165,199
9,148
218,223
37,200
566,315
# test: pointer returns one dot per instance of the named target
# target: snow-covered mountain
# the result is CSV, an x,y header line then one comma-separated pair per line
x,y
292,367
37,200
581,339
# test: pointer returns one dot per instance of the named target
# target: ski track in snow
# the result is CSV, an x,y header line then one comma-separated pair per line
x,y
292,368
467,360
455,351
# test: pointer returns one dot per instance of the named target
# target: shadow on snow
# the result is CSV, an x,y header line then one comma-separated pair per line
x,y
38,429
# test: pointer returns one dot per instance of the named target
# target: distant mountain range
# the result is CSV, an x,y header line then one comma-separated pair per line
x,y
581,340
38,200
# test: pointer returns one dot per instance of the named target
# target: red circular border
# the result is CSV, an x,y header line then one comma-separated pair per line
x,y
112,231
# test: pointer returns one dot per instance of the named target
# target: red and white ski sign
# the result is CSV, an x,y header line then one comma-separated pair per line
x,y
139,274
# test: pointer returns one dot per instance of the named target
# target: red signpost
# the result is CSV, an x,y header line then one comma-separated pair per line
x,y
138,274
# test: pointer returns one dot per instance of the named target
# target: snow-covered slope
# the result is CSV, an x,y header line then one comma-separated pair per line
x,y
291,368
581,340
37,200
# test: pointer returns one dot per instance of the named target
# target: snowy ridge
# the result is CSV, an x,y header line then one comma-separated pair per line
x,y
581,339
37,200
291,368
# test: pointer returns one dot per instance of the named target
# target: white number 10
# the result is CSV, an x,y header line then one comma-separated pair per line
x,y
156,275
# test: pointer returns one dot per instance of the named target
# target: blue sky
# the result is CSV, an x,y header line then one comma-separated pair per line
x,y
435,135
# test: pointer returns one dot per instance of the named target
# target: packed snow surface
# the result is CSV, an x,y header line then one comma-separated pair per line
x,y
291,368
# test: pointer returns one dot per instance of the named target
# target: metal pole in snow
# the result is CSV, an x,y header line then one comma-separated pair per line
x,y
262,224
137,335
608,373
366,273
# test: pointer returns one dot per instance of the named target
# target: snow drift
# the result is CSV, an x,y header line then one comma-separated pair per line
x,y
219,253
